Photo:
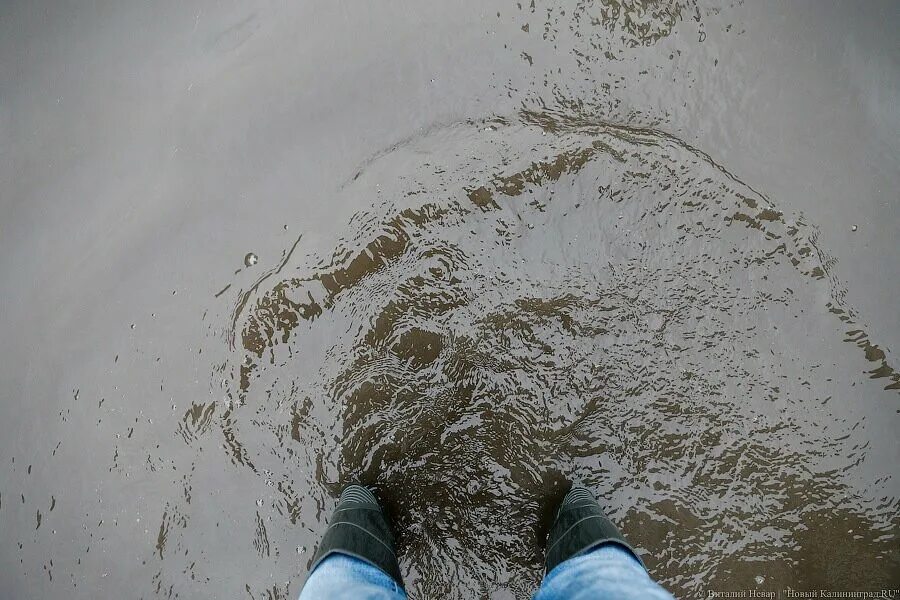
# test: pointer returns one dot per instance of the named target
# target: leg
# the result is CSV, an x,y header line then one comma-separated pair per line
x,y
588,558
356,557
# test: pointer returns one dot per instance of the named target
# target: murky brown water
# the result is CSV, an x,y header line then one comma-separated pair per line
x,y
463,296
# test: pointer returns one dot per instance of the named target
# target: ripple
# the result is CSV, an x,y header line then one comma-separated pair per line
x,y
542,299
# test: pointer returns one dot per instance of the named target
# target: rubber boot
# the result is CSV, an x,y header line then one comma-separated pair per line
x,y
358,528
580,526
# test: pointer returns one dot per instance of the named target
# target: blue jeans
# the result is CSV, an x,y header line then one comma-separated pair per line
x,y
606,572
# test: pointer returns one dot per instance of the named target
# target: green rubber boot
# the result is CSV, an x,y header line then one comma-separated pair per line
x,y
359,529
580,526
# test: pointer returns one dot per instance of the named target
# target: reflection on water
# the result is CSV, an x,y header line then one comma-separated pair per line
x,y
541,299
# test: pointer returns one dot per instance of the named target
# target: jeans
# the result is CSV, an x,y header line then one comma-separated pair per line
x,y
343,577
606,572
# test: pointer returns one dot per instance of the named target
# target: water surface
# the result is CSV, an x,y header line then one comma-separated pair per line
x,y
494,251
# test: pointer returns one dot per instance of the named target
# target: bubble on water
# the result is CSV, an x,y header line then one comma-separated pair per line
x,y
132,325
250,259
285,227
854,228
259,502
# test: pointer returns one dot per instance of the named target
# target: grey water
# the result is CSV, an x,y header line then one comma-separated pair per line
x,y
462,253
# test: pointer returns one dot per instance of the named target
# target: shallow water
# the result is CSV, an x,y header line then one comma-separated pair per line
x,y
521,260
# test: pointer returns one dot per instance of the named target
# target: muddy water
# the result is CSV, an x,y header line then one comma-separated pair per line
x,y
494,252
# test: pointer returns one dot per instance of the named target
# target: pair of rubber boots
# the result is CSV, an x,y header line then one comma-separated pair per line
x,y
359,528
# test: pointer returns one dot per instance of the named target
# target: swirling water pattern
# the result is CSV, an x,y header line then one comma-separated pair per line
x,y
541,299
